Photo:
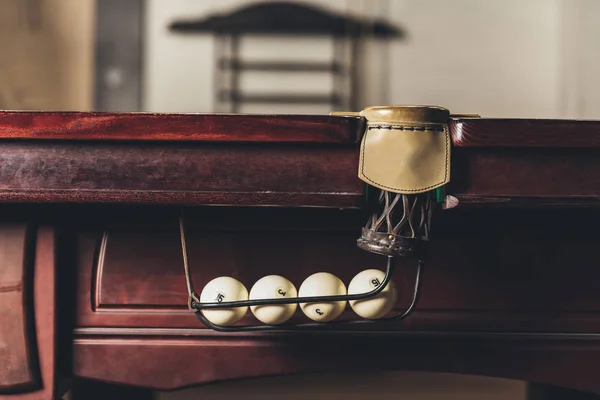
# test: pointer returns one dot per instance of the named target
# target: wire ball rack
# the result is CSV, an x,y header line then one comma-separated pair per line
x,y
398,227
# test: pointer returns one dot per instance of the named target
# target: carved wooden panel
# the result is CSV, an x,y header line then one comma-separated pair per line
x,y
510,271
509,293
186,360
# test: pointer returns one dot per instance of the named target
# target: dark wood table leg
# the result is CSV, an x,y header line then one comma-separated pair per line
x,y
28,311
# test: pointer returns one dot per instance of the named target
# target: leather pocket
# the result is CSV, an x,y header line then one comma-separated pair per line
x,y
405,158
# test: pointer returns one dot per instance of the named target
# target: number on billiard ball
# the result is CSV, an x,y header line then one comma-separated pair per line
x,y
224,289
322,284
373,307
273,287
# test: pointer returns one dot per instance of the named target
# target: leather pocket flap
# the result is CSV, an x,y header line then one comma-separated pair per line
x,y
405,158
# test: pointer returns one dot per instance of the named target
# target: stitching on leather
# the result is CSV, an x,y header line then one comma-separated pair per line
x,y
406,128
401,128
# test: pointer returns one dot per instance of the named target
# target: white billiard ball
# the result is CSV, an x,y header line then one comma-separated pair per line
x,y
322,284
372,307
273,287
223,289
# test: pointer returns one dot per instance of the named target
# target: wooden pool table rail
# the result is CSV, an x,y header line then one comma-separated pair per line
x,y
511,288
293,161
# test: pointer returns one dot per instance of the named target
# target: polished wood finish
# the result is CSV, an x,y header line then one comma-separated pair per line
x,y
524,133
130,273
179,127
525,162
521,176
213,167
466,132
510,288
503,302
188,361
177,173
43,315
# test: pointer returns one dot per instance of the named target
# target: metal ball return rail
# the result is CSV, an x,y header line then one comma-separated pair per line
x,y
400,215
197,306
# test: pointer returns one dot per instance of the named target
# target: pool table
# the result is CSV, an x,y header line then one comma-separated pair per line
x,y
92,284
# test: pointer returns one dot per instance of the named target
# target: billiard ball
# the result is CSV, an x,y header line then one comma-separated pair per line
x,y
273,287
322,284
372,307
223,289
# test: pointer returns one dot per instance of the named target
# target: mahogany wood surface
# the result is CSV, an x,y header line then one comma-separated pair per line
x,y
534,176
187,361
524,133
537,170
510,288
466,132
480,275
175,173
179,127
506,293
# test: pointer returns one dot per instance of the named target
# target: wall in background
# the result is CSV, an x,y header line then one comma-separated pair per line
x,y
487,57
178,69
46,54
582,59
521,58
